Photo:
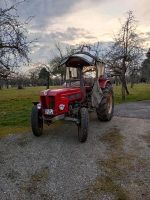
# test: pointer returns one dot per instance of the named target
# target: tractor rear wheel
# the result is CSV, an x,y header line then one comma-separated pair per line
x,y
36,122
106,106
84,124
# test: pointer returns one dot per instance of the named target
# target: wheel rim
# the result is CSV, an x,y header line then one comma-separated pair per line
x,y
109,103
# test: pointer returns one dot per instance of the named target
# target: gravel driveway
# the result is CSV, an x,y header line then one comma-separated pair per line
x,y
112,164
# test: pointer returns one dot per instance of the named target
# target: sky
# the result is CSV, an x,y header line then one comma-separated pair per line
x,y
76,21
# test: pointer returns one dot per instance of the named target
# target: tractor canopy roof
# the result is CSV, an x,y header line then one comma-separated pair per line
x,y
80,59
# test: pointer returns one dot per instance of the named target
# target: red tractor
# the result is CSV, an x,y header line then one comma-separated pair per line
x,y
82,93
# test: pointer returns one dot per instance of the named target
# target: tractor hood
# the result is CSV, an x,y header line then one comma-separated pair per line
x,y
53,100
64,92
79,59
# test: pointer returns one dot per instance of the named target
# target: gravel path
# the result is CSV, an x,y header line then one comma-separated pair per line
x,y
139,109
112,164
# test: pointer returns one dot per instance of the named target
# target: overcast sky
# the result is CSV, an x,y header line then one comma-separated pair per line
x,y
75,21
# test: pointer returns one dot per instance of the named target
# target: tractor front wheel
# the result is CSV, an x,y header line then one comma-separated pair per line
x,y
106,106
36,121
83,125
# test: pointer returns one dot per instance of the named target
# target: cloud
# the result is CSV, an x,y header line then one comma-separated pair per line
x,y
74,21
45,44
145,39
145,36
45,11
72,33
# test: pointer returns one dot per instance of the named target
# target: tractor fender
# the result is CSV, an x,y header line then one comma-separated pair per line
x,y
103,82
35,102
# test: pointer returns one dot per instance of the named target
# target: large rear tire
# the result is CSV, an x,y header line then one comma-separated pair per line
x,y
106,107
84,125
36,122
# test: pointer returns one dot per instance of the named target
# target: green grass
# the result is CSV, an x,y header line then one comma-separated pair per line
x,y
15,109
15,105
138,93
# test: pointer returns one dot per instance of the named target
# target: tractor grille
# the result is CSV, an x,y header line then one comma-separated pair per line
x,y
52,102
43,101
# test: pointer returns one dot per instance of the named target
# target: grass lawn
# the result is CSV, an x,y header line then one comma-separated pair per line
x,y
15,105
15,109
138,93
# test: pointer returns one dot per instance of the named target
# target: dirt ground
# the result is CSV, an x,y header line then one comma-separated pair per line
x,y
112,164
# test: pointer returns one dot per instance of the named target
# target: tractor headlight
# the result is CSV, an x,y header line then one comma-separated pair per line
x,y
61,107
38,106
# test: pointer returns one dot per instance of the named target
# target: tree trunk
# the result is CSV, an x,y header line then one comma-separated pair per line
x,y
1,84
47,81
132,81
123,80
7,84
116,81
132,84
62,79
123,94
124,88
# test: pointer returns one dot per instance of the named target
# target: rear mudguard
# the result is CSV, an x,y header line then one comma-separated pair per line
x,y
103,82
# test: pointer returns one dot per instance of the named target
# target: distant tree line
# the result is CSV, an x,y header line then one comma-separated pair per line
x,y
51,74
145,70
35,77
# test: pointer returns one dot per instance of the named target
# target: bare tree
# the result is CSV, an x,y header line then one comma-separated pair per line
x,y
5,75
53,65
62,53
125,54
33,74
14,45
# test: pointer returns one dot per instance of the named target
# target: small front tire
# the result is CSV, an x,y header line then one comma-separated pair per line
x,y
36,121
84,125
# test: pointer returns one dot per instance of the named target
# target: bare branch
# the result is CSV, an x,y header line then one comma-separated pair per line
x,y
14,46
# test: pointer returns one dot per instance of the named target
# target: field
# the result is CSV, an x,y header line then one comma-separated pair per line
x,y
138,93
15,105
